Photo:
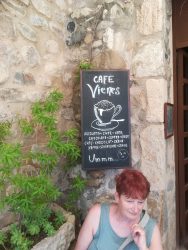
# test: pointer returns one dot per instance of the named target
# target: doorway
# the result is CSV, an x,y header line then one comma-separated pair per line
x,y
180,49
182,142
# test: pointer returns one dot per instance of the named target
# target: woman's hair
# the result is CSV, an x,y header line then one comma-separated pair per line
x,y
133,184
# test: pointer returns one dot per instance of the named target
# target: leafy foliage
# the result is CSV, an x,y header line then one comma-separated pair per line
x,y
26,127
59,219
10,158
31,193
18,239
77,187
2,239
4,130
85,65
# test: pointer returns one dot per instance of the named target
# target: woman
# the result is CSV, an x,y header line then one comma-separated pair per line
x,y
110,227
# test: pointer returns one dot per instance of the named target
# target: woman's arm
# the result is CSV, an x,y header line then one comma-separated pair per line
x,y
89,228
156,240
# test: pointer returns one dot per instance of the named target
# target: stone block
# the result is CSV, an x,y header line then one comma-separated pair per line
x,y
150,17
57,29
4,73
108,38
153,158
116,12
68,114
138,104
52,69
6,27
7,218
9,94
52,46
155,204
94,183
109,60
31,96
119,42
88,38
96,174
14,8
26,2
42,7
30,55
149,59
22,78
27,31
97,44
136,150
156,90
103,25
39,21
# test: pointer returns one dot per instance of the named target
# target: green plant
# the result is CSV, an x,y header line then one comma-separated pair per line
x,y
31,191
59,218
2,239
4,130
18,239
77,187
85,65
26,127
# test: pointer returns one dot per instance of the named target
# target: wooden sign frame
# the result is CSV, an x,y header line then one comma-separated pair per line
x,y
168,120
105,119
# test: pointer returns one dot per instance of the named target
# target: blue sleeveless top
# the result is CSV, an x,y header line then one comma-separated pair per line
x,y
106,239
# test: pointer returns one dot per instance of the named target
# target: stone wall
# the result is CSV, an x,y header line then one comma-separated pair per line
x,y
41,45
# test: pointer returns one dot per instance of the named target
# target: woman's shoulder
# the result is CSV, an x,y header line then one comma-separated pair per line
x,y
95,209
93,217
151,224
150,229
93,214
153,236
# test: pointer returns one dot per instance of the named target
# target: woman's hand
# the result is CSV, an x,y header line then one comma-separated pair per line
x,y
139,236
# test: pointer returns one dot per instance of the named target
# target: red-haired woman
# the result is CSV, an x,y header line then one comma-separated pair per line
x,y
122,225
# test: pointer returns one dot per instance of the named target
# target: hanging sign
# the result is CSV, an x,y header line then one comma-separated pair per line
x,y
105,119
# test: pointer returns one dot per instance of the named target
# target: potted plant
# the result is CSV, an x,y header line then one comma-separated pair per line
x,y
25,174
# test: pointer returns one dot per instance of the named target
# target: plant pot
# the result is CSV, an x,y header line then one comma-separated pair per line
x,y
63,237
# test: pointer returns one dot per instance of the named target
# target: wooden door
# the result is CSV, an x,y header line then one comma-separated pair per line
x,y
180,73
182,139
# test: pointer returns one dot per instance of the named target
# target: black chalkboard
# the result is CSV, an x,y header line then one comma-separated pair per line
x,y
105,119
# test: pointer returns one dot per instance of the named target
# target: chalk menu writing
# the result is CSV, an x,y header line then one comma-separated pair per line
x,y
105,119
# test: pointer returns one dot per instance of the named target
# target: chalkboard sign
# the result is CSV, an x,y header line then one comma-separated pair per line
x,y
106,134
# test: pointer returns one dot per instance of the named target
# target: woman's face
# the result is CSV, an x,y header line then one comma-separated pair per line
x,y
129,208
